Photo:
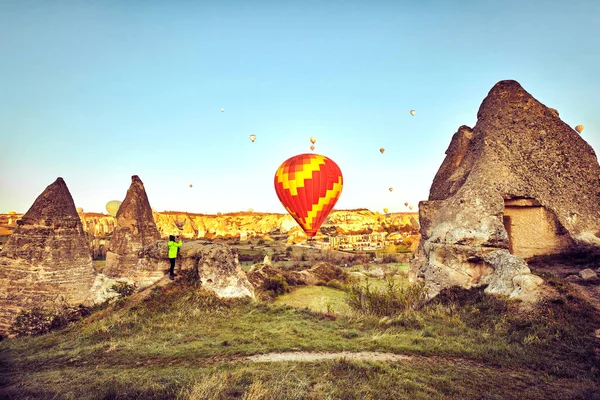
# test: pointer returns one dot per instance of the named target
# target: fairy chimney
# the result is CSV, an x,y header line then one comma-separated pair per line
x,y
46,258
521,183
135,229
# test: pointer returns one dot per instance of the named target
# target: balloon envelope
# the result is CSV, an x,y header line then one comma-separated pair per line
x,y
579,128
308,186
312,148
410,207
191,185
112,207
385,210
382,150
222,110
391,189
313,140
412,112
252,138
406,204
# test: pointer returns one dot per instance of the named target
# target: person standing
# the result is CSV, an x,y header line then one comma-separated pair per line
x,y
173,247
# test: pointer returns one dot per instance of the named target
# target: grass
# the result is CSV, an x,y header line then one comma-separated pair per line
x,y
321,299
182,342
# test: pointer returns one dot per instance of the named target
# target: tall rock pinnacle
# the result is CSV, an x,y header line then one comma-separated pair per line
x,y
46,257
135,229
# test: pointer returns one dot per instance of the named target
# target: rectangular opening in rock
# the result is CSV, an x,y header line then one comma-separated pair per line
x,y
532,229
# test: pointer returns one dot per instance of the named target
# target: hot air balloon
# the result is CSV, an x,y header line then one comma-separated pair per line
x,y
406,204
313,140
191,185
579,128
250,209
385,210
79,210
252,138
308,186
391,189
11,212
413,112
222,110
312,148
112,207
382,150
410,207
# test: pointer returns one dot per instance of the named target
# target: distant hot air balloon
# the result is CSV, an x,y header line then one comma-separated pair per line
x,y
385,210
391,189
112,207
312,148
250,209
252,138
222,110
406,204
79,210
308,186
579,128
313,140
191,185
413,112
11,212
410,207
381,150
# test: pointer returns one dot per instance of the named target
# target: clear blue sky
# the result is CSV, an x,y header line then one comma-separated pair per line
x,y
97,91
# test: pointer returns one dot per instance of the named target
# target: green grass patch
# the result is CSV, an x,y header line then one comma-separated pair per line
x,y
321,299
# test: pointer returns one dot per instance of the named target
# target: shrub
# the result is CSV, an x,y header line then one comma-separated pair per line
x,y
40,320
124,289
391,301
276,284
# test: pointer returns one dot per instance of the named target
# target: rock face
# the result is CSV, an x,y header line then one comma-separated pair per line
x,y
520,183
217,265
135,230
46,257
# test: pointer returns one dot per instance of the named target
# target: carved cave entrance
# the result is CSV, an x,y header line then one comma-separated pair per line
x,y
532,229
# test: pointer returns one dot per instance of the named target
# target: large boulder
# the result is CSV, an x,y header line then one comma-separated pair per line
x,y
217,266
135,229
520,183
46,258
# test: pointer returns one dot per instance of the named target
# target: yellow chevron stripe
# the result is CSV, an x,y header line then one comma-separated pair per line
x,y
329,195
313,164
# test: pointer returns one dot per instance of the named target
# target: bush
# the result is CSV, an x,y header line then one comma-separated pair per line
x,y
124,289
275,285
391,301
39,320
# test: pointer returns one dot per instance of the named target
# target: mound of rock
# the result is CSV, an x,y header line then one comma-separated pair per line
x,y
217,266
320,273
46,258
521,183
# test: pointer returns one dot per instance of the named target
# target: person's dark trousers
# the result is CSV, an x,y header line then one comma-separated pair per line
x,y
172,269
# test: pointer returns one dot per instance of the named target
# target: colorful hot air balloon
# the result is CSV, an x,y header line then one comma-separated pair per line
x,y
250,209
410,207
382,150
406,204
385,210
312,148
112,207
191,185
308,186
252,138
413,112
313,140
79,210
391,189
222,110
579,128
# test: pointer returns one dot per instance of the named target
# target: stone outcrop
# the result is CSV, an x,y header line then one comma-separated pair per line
x,y
217,265
47,257
520,183
135,230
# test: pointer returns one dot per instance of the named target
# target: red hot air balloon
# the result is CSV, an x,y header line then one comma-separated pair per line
x,y
308,186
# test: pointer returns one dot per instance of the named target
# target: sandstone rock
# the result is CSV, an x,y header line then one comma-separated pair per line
x,y
588,274
217,266
520,183
573,278
135,230
47,257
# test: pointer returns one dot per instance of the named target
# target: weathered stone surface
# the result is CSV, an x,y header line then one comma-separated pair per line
x,y
135,230
588,274
46,257
217,265
520,183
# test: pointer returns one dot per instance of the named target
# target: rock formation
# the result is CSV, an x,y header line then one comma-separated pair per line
x,y
135,230
520,183
46,257
217,265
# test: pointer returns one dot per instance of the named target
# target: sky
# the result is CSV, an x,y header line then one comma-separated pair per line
x,y
97,91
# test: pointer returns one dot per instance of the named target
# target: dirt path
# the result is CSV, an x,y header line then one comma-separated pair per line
x,y
306,356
